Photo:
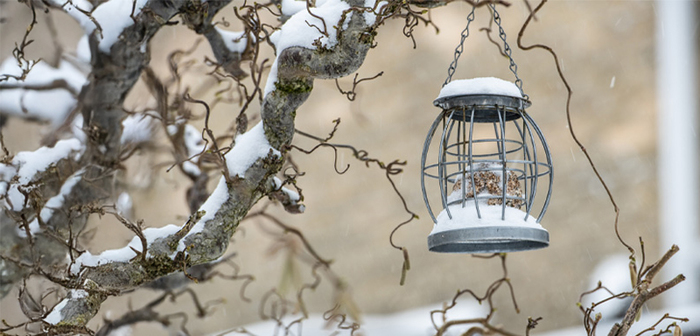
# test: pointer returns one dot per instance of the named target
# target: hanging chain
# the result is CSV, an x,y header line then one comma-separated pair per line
x,y
460,48
508,51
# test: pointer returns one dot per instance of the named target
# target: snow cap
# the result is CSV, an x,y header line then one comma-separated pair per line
x,y
480,86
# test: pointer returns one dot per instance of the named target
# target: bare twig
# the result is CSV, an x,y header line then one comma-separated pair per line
x,y
390,170
484,322
568,118
666,316
294,231
352,94
56,84
18,52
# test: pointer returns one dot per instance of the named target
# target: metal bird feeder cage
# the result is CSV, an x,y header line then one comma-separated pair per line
x,y
489,160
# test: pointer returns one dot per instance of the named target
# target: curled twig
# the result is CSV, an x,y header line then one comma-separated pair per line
x,y
352,94
294,231
568,118
210,133
390,170
485,322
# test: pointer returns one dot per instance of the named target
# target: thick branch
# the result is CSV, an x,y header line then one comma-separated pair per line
x,y
113,76
200,20
296,69
645,294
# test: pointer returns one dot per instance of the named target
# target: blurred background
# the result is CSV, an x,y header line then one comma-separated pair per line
x,y
611,53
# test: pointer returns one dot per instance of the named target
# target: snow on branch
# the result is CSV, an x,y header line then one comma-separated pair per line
x,y
305,51
230,48
53,204
26,168
79,305
288,198
308,29
110,18
138,128
291,7
27,99
124,254
235,42
249,147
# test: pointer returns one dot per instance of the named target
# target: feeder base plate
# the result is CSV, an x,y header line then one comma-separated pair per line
x,y
489,239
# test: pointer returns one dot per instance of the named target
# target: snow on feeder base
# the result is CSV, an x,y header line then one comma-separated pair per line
x,y
486,135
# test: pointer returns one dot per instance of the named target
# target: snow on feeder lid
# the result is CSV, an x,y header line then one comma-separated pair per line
x,y
481,92
480,86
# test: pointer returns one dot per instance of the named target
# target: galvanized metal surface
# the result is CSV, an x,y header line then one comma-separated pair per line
x,y
483,105
491,239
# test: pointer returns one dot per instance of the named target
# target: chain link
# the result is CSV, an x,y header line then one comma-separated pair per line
x,y
460,48
508,51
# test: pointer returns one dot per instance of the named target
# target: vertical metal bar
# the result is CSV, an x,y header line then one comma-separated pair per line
x,y
526,166
447,159
441,164
536,176
464,156
498,140
504,176
549,165
471,162
426,148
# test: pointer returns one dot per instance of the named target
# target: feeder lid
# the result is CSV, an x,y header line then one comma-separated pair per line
x,y
486,91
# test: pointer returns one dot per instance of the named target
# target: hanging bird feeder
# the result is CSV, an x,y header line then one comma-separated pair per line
x,y
489,160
